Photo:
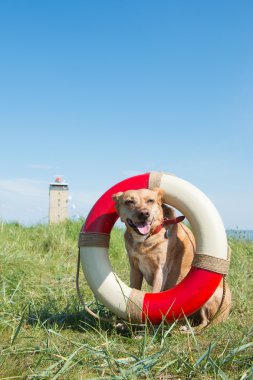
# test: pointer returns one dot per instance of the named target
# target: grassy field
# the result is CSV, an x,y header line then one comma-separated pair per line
x,y
45,334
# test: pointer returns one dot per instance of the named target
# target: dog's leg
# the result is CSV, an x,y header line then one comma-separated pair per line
x,y
217,308
136,277
158,282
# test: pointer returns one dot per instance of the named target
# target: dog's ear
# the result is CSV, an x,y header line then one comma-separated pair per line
x,y
160,193
116,197
168,212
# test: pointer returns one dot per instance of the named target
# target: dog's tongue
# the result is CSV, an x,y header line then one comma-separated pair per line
x,y
143,228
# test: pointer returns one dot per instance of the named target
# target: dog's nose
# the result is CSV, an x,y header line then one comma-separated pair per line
x,y
144,214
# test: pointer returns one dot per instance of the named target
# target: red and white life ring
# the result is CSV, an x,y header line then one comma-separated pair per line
x,y
188,296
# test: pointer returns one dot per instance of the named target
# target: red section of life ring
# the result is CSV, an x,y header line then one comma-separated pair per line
x,y
186,297
103,215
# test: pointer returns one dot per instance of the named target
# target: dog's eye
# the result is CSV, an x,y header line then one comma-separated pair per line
x,y
129,202
150,201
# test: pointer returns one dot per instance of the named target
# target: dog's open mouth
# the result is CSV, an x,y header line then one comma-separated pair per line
x,y
141,228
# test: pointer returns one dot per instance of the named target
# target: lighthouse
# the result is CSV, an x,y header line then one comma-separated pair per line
x,y
58,200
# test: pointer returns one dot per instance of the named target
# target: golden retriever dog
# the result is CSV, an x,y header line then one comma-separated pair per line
x,y
163,256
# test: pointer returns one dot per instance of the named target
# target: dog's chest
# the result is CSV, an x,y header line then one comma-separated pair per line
x,y
146,259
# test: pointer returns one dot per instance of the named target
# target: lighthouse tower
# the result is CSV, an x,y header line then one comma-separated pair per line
x,y
58,200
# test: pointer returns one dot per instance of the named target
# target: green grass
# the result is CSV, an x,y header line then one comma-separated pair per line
x,y
45,334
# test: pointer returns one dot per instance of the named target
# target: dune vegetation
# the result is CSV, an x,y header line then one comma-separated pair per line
x,y
46,334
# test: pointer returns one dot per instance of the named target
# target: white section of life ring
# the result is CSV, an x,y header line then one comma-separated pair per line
x,y
105,284
207,226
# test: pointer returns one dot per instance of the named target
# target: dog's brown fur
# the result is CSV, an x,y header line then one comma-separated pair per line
x,y
162,261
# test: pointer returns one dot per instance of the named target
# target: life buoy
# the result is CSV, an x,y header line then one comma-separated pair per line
x,y
209,264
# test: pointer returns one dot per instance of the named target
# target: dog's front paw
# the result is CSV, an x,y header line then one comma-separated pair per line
x,y
122,328
185,329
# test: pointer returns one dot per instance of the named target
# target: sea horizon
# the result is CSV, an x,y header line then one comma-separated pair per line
x,y
240,234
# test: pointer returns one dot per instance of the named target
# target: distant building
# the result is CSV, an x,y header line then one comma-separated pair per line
x,y
58,200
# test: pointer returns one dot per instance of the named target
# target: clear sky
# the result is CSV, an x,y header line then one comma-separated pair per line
x,y
100,90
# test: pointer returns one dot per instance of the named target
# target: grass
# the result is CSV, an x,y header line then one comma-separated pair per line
x,y
45,334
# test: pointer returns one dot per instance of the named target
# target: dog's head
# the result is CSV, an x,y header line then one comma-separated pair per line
x,y
141,210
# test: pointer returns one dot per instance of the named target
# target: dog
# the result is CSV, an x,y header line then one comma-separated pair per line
x,y
163,256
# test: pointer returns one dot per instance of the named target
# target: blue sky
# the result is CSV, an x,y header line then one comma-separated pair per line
x,y
100,90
